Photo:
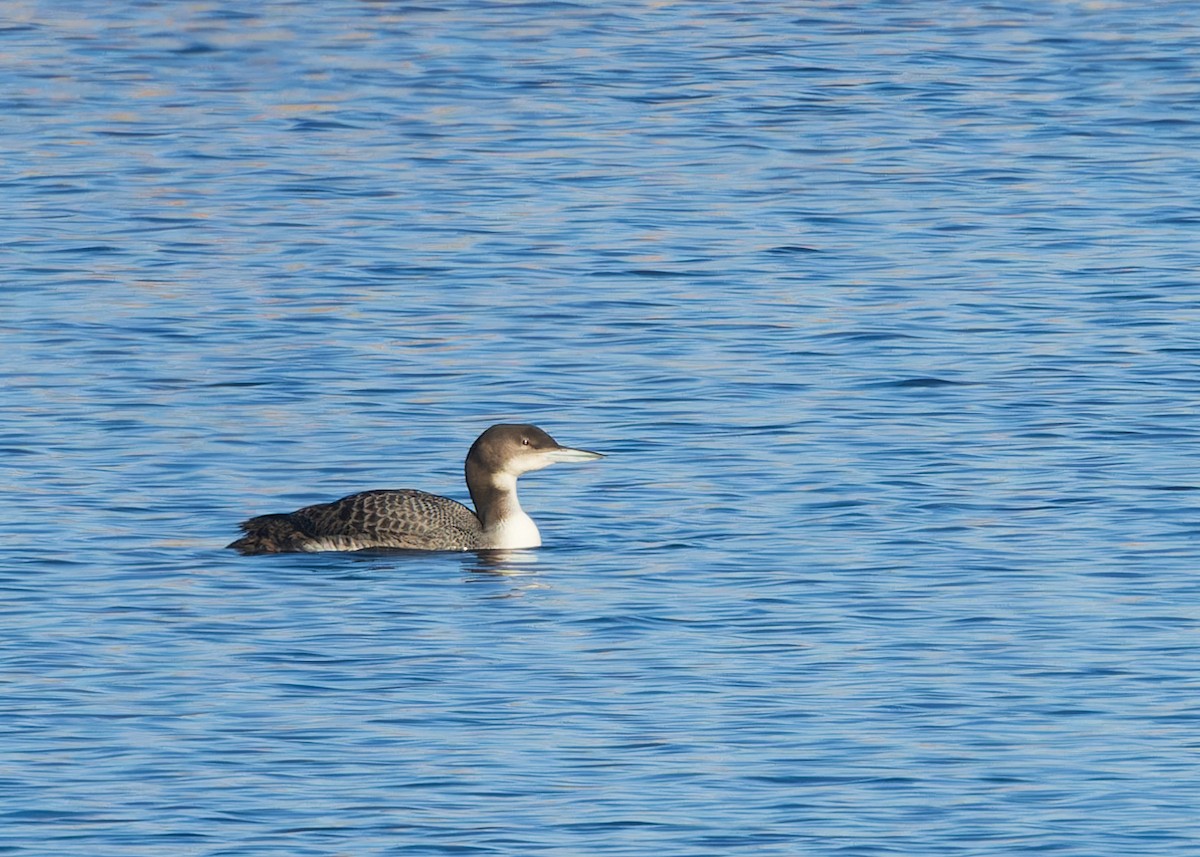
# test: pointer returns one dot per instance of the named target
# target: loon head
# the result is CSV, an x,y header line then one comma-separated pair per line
x,y
508,450
497,458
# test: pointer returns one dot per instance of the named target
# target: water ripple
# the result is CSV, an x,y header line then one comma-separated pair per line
x,y
885,316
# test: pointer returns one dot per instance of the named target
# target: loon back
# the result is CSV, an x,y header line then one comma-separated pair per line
x,y
403,519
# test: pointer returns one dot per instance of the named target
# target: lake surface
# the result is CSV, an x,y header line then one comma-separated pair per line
x,y
888,316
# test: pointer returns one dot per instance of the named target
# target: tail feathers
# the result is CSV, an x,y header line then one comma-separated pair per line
x,y
270,534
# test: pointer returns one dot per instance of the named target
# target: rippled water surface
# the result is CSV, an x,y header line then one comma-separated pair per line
x,y
887,315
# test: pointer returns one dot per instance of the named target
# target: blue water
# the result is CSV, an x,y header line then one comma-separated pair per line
x,y
888,316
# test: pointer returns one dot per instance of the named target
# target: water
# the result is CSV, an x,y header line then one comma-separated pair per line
x,y
886,314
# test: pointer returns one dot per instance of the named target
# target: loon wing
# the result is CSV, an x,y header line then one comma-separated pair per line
x,y
383,518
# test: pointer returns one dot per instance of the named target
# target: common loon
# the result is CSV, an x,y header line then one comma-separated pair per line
x,y
414,520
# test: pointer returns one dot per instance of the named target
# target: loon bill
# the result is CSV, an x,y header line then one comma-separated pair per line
x,y
414,520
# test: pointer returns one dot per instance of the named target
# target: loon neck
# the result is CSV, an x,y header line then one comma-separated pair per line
x,y
505,524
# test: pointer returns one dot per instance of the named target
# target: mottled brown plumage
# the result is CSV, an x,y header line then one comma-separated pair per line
x,y
403,518
415,520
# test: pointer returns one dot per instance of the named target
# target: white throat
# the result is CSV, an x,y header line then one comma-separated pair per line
x,y
514,529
